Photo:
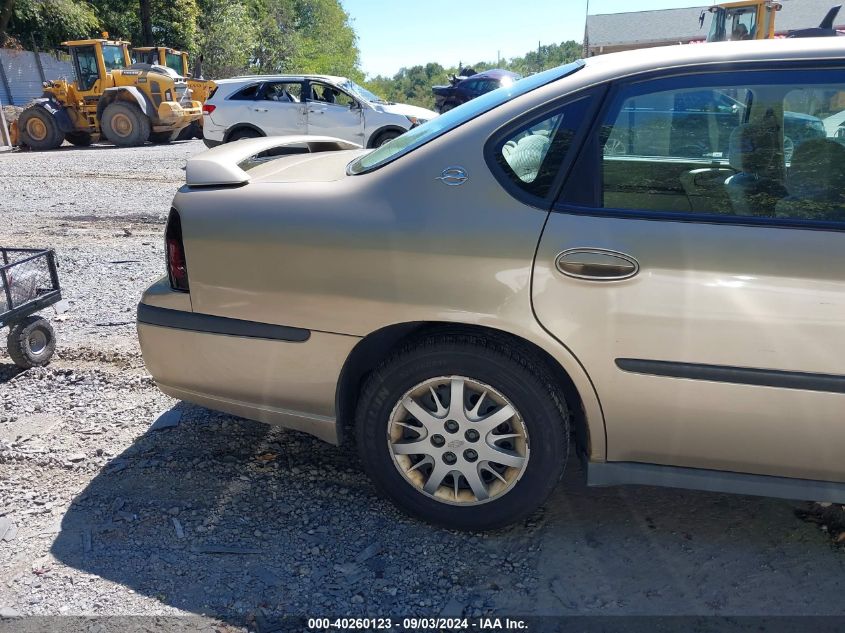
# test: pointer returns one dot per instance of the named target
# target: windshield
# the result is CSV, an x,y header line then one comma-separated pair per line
x,y
415,137
113,57
362,92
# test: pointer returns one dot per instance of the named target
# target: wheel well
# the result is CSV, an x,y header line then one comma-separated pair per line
x,y
377,346
241,126
375,135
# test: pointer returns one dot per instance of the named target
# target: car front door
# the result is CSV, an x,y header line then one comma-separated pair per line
x,y
333,112
279,109
711,321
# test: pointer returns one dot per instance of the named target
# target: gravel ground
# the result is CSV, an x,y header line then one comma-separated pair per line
x,y
116,500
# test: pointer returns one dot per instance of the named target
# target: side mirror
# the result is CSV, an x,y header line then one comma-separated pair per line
x,y
354,105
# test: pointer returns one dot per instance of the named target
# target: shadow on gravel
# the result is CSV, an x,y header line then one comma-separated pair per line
x,y
221,516
8,371
236,519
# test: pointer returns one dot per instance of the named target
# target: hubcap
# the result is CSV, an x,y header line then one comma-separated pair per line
x,y
458,440
37,342
36,129
121,124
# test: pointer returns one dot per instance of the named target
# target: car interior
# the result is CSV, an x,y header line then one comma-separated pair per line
x,y
767,157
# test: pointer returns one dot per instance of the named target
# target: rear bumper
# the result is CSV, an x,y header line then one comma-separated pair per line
x,y
270,373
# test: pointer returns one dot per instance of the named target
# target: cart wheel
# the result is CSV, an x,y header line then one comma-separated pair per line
x,y
32,342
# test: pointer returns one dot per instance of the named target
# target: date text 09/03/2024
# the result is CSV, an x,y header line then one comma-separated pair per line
x,y
417,624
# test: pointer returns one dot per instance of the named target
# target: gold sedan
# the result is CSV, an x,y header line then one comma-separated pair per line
x,y
626,254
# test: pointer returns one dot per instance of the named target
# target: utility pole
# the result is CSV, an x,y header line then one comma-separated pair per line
x,y
586,33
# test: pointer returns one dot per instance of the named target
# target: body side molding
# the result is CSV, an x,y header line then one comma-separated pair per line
x,y
196,322
831,383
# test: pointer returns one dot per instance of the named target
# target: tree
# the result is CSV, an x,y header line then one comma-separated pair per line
x,y
50,22
146,17
228,40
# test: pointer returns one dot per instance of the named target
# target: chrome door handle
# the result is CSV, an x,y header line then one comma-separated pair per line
x,y
596,264
316,111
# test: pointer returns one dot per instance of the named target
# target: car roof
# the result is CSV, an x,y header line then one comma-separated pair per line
x,y
494,73
243,79
661,57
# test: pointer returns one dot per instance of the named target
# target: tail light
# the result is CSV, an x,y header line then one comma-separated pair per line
x,y
177,269
207,108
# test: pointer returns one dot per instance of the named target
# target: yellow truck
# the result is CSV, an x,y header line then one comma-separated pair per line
x,y
755,20
111,99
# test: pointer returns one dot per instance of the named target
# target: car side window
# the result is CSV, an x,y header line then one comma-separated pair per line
x,y
531,156
250,93
329,94
283,92
724,145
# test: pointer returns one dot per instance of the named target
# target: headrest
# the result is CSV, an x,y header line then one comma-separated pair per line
x,y
754,147
818,171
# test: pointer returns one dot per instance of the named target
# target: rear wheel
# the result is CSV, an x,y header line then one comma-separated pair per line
x,y
463,431
31,342
80,139
193,130
237,135
125,125
39,129
386,137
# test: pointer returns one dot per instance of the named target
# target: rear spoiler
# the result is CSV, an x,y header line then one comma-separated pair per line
x,y
222,165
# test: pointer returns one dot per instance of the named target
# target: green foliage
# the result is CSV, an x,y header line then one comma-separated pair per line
x,y
49,22
228,40
234,36
413,85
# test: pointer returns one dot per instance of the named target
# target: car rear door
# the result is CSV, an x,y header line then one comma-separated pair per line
x,y
279,109
333,112
713,330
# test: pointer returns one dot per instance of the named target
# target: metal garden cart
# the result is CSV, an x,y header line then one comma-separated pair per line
x,y
29,282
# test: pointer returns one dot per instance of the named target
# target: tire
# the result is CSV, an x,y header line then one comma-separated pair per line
x,y
161,138
246,132
39,129
80,139
507,375
190,131
125,125
31,342
385,137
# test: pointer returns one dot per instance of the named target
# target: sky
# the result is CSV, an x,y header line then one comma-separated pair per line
x,y
399,33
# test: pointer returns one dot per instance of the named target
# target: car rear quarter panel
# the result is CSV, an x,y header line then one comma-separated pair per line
x,y
365,252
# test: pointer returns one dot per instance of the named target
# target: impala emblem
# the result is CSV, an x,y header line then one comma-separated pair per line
x,y
453,176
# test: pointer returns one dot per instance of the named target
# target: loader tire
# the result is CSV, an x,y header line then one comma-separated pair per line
x,y
39,130
80,139
161,138
125,125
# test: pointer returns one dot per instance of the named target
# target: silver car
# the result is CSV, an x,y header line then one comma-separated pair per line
x,y
274,105
470,301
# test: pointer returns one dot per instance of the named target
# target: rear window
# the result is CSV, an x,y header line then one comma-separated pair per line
x,y
418,136
249,93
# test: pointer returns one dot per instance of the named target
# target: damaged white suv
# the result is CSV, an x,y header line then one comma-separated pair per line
x,y
280,105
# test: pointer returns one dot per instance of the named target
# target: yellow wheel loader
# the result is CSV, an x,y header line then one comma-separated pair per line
x,y
111,99
201,88
755,20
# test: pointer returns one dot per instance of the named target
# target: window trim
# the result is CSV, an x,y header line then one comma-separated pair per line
x,y
597,93
590,150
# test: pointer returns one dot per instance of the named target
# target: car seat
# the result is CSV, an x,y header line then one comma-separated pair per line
x,y
755,153
816,182
526,155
